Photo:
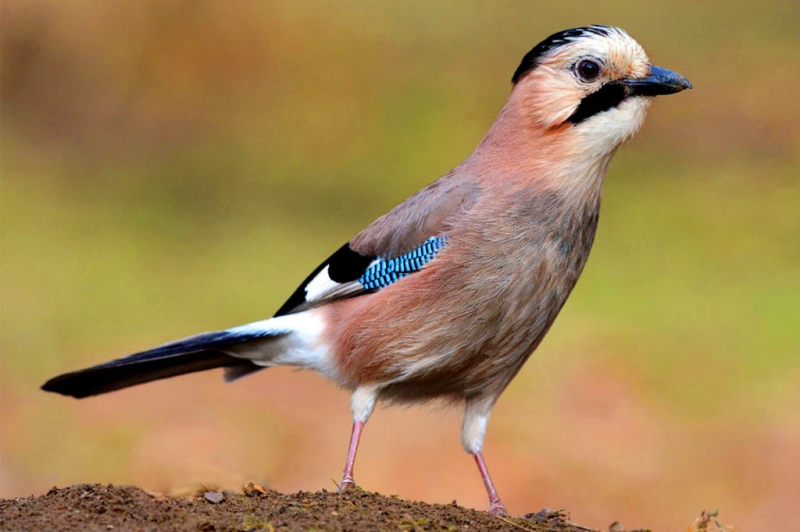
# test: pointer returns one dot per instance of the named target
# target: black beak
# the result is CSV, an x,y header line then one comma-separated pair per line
x,y
660,81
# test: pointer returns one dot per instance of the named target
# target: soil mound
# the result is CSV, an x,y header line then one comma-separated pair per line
x,y
94,507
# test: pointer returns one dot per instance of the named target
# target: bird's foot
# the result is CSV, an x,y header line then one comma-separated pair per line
x,y
346,483
496,508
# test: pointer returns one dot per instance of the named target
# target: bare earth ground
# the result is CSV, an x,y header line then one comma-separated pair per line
x,y
95,507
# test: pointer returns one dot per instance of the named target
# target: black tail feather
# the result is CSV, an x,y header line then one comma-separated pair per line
x,y
115,376
195,353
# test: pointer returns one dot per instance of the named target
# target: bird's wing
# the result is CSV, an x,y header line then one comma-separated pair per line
x,y
397,244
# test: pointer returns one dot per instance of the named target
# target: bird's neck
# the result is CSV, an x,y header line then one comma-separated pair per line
x,y
519,153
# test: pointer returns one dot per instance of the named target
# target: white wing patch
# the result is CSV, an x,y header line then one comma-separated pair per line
x,y
321,285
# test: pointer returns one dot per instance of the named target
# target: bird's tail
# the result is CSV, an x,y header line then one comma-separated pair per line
x,y
241,351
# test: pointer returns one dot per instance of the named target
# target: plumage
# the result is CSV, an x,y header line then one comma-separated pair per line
x,y
448,294
384,271
556,40
333,278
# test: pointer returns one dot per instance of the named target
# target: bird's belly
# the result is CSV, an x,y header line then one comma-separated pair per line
x,y
469,337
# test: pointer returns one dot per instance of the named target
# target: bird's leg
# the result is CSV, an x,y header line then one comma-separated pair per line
x,y
473,432
347,479
362,403
495,504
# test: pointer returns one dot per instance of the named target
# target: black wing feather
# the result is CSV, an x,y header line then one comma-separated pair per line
x,y
344,266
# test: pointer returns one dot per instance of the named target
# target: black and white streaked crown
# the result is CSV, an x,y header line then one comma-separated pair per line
x,y
556,40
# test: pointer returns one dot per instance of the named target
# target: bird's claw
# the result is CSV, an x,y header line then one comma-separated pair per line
x,y
346,483
497,508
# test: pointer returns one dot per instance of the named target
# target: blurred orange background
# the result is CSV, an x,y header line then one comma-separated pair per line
x,y
175,167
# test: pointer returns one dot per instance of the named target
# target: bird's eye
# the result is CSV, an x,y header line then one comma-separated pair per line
x,y
587,70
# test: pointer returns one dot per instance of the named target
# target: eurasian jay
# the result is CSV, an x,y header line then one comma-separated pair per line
x,y
447,295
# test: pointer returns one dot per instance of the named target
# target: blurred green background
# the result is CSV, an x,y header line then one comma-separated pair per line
x,y
174,167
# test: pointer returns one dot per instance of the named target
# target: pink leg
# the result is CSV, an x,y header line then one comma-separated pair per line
x,y
495,504
347,478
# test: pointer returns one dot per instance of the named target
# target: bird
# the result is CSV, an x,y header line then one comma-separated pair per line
x,y
447,295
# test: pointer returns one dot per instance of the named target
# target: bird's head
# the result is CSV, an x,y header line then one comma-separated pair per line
x,y
596,81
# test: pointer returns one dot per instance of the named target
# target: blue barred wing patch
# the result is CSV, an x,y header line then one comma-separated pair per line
x,y
381,273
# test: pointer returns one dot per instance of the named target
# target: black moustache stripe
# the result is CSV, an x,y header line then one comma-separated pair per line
x,y
607,97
